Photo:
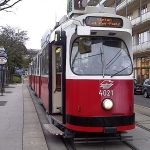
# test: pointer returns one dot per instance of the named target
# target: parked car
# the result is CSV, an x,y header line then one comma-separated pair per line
x,y
20,71
146,88
137,87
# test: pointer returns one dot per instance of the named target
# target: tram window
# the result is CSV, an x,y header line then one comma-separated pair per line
x,y
112,51
58,69
45,60
46,70
78,5
36,66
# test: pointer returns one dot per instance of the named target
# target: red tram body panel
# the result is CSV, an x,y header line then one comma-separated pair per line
x,y
38,86
44,90
33,82
86,101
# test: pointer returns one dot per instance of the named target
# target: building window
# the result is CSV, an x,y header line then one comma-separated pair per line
x,y
148,32
147,62
130,16
138,62
133,38
142,70
144,37
143,9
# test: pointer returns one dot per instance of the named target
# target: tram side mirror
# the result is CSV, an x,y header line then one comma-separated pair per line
x,y
60,37
85,45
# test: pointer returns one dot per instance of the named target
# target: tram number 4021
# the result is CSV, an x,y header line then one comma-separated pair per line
x,y
106,92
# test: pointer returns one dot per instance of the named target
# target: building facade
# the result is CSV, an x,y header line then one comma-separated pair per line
x,y
138,11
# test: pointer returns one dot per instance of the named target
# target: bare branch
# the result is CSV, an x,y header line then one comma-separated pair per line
x,y
6,5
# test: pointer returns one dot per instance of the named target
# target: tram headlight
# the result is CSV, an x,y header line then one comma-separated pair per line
x,y
107,104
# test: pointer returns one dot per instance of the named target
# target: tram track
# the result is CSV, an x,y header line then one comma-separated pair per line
x,y
130,146
82,143
128,142
68,143
138,125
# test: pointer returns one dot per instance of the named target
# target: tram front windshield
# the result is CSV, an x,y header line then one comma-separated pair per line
x,y
100,56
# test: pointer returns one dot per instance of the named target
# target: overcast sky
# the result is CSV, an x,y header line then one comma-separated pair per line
x,y
35,17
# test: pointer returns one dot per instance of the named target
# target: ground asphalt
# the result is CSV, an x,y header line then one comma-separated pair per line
x,y
20,127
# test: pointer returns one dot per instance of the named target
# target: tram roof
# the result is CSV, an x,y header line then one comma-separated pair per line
x,y
79,15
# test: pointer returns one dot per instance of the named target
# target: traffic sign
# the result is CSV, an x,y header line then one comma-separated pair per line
x,y
3,60
3,54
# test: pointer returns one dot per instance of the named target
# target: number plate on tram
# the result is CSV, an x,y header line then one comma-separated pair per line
x,y
106,92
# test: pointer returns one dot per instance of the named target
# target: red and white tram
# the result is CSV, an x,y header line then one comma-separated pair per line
x,y
85,72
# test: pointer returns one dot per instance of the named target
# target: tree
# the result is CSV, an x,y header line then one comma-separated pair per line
x,y
13,40
6,4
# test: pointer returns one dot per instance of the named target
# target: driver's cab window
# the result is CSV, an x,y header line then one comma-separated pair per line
x,y
79,57
58,68
100,56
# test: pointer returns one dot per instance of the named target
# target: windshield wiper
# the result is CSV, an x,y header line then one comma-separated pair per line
x,y
102,60
120,71
74,59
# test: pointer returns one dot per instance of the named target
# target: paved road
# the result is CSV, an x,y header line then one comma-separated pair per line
x,y
140,100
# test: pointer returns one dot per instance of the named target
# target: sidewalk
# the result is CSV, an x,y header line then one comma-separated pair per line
x,y
20,128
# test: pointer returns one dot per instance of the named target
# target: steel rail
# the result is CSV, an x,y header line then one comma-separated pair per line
x,y
68,143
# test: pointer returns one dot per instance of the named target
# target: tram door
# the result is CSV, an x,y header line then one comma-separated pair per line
x,y
56,80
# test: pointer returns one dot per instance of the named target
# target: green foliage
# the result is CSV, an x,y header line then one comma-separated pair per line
x,y
26,62
16,78
13,40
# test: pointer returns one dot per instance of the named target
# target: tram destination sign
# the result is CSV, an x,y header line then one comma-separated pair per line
x,y
104,22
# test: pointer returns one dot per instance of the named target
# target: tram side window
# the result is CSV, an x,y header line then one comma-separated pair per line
x,y
45,61
38,66
34,69
29,70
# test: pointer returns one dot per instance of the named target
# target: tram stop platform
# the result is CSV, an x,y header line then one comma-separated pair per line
x,y
20,127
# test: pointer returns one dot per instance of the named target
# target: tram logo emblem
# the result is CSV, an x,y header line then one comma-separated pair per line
x,y
106,84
